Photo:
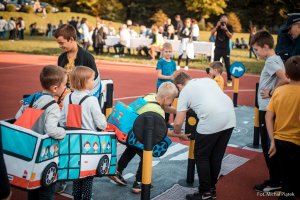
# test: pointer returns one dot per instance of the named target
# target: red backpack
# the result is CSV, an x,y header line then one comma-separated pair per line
x,y
74,113
30,116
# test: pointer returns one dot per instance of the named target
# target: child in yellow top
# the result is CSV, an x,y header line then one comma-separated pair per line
x,y
215,72
282,121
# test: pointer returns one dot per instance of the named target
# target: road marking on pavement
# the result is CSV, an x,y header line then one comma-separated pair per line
x,y
23,66
173,149
155,162
128,175
183,156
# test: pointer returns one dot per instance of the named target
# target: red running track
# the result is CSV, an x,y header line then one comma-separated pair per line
x,y
19,74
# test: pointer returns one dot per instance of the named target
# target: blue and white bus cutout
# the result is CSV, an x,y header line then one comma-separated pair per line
x,y
34,160
237,69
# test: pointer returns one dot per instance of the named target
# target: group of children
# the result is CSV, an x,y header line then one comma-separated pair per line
x,y
283,103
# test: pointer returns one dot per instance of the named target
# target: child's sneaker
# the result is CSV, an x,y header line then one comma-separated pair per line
x,y
136,187
267,186
186,68
198,196
177,67
118,178
229,83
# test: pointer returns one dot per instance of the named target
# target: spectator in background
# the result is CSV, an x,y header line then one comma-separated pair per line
x,y
195,30
244,44
212,37
157,42
170,33
37,6
288,40
98,37
144,32
21,28
124,41
60,23
237,43
49,30
167,24
12,29
73,23
33,29
3,26
252,33
111,29
224,34
178,24
84,33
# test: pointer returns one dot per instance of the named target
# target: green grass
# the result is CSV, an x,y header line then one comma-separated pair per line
x,y
48,46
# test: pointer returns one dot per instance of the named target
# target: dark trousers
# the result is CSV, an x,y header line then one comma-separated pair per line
x,y
187,61
209,151
225,54
98,49
121,48
12,35
289,156
42,193
251,51
83,189
126,157
272,164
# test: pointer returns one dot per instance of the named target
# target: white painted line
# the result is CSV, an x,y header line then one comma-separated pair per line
x,y
66,195
183,156
232,145
154,162
253,149
173,149
132,97
127,176
24,66
246,90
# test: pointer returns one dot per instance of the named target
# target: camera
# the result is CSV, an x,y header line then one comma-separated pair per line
x,y
223,23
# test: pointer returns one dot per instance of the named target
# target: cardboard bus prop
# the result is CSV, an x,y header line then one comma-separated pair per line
x,y
34,160
121,120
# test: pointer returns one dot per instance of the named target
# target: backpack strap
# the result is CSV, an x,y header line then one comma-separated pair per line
x,y
84,98
32,101
60,97
48,104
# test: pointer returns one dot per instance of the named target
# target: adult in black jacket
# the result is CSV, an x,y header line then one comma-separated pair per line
x,y
98,38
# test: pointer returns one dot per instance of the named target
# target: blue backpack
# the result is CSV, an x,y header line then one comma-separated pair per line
x,y
121,120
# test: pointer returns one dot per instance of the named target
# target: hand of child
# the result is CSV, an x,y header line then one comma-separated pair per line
x,y
265,93
272,149
184,137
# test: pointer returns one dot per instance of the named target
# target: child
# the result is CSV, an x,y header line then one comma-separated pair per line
x,y
215,72
82,82
74,55
272,76
165,68
186,36
164,97
53,80
284,128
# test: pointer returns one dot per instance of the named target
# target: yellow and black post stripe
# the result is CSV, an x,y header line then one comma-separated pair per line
x,y
235,91
109,99
256,120
191,121
147,158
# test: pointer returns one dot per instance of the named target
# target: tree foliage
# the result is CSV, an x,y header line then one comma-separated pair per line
x,y
206,7
159,18
235,22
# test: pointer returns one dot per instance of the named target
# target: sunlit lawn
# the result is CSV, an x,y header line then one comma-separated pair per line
x,y
47,46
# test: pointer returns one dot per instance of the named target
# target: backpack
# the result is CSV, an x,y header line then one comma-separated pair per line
x,y
121,120
74,119
31,115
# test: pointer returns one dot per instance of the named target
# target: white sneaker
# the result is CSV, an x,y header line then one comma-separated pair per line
x,y
116,56
177,67
186,68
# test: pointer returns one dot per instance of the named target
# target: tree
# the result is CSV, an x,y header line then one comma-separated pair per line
x,y
235,22
159,18
206,7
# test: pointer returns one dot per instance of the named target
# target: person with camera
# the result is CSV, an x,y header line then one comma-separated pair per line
x,y
222,50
